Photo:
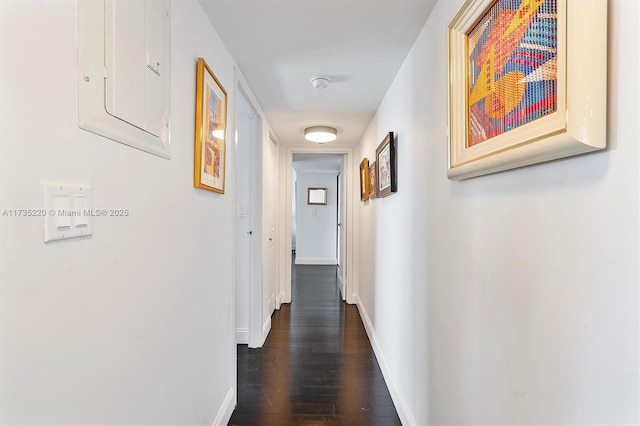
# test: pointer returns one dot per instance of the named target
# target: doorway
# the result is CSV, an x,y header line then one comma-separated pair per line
x,y
342,236
314,224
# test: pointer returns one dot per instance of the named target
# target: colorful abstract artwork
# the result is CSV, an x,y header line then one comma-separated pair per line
x,y
512,67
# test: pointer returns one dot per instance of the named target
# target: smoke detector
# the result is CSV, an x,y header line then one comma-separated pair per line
x,y
320,82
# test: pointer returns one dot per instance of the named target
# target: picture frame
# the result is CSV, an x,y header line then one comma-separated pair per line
x,y
515,100
364,179
317,196
211,127
386,174
372,180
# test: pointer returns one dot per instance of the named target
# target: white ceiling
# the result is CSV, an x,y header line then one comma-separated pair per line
x,y
279,45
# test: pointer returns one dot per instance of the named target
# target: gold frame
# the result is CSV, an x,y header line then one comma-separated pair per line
x,y
203,178
579,123
364,179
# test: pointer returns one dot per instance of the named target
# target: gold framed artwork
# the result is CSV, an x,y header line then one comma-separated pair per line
x,y
386,175
364,179
527,83
211,127
372,180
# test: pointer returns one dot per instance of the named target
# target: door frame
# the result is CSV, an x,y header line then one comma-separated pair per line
x,y
256,335
349,280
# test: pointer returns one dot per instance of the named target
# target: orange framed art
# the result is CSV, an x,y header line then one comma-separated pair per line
x,y
211,129
364,179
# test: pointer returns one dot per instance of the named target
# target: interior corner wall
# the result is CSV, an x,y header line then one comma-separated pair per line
x,y
294,180
510,298
133,325
316,225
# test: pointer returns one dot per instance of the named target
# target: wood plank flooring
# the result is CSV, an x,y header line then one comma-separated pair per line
x,y
316,367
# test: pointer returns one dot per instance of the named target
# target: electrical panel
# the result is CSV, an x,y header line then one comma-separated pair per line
x,y
124,71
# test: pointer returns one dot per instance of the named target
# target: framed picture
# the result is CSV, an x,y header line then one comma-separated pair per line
x,y
317,196
364,179
386,181
211,127
372,180
527,83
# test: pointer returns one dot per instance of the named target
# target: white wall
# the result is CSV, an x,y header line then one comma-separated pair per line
x,y
510,298
133,325
316,224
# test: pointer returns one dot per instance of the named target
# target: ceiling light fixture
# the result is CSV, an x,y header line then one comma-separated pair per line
x,y
320,134
320,82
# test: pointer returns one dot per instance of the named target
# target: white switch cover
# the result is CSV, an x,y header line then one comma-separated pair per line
x,y
68,211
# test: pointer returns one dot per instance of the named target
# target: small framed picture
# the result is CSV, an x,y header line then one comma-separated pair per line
x,y
317,196
211,125
364,179
386,180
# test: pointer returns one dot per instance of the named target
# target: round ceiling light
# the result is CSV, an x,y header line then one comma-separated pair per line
x,y
320,134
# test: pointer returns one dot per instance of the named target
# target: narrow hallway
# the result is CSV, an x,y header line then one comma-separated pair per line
x,y
317,365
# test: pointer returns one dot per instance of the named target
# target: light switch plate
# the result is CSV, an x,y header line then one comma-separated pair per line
x,y
68,211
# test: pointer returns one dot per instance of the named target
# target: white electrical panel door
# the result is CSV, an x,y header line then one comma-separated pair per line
x,y
124,71
125,60
133,43
155,64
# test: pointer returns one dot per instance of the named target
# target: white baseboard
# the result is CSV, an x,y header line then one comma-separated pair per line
x,y
405,414
280,299
226,410
353,300
311,261
242,336
272,303
266,328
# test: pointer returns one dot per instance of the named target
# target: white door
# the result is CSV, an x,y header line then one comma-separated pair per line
x,y
247,136
342,264
269,204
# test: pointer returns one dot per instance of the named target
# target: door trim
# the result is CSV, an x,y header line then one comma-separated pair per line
x,y
349,286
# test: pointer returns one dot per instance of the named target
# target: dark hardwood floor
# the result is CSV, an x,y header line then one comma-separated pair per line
x,y
316,367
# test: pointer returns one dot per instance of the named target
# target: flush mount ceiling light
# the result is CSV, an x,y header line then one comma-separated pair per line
x,y
320,82
320,134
